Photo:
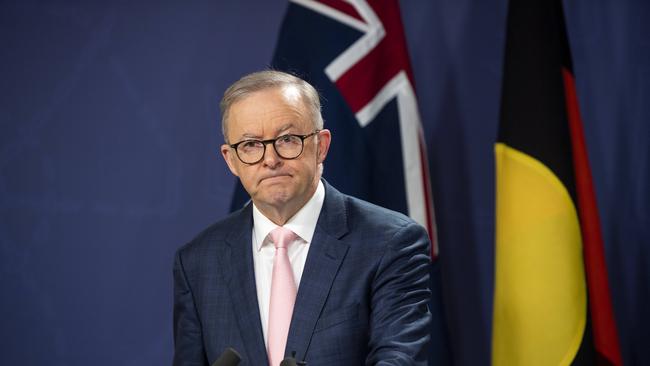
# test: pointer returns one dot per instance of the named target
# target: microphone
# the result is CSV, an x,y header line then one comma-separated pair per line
x,y
289,361
229,357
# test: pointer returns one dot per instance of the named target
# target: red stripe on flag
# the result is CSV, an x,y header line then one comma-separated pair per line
x,y
602,315
431,228
361,83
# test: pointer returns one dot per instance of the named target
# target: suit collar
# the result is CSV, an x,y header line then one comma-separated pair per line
x,y
333,218
323,262
238,266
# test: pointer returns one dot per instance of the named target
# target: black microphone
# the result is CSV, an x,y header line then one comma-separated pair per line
x,y
229,357
289,361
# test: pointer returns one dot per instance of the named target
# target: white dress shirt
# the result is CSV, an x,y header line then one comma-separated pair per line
x,y
303,223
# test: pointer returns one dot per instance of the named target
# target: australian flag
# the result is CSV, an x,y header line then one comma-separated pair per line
x,y
354,53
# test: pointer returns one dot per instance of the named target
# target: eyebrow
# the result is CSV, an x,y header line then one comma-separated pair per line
x,y
282,129
285,127
250,136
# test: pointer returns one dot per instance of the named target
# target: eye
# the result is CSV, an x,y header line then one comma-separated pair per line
x,y
250,145
288,140
285,139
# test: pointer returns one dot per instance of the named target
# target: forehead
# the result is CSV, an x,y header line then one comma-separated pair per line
x,y
268,110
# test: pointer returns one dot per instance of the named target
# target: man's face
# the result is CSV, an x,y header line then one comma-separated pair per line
x,y
276,183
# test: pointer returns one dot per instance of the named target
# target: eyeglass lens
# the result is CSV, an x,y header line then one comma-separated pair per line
x,y
287,147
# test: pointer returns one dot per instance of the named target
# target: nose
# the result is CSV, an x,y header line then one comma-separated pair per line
x,y
271,158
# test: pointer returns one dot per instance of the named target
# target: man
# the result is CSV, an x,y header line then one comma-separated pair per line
x,y
303,269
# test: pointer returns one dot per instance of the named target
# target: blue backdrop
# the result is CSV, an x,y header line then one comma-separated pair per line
x,y
109,129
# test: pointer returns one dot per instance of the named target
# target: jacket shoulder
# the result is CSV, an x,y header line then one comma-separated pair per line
x,y
381,230
359,216
372,217
215,233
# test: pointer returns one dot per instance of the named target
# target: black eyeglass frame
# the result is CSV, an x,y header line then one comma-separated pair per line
x,y
273,141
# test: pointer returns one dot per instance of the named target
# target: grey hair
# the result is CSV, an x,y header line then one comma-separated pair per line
x,y
269,79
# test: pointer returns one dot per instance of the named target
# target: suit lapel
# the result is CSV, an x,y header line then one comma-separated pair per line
x,y
323,262
238,266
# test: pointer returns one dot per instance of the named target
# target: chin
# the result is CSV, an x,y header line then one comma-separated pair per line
x,y
277,196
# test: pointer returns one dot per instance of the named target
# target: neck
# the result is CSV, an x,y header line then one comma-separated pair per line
x,y
278,216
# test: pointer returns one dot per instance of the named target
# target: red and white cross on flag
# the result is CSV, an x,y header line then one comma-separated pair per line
x,y
373,71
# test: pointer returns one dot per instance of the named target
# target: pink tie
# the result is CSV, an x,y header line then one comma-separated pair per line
x,y
283,295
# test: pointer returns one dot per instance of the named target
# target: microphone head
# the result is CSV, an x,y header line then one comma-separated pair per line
x,y
229,357
289,361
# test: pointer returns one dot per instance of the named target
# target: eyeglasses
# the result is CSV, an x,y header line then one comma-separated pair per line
x,y
288,147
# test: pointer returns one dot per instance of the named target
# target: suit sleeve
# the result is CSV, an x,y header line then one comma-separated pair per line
x,y
188,340
400,319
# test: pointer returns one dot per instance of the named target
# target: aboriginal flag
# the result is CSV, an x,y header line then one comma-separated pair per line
x,y
551,304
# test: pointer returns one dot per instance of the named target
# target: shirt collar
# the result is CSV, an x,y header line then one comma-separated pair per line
x,y
303,223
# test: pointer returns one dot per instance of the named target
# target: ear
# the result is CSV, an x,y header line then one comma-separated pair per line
x,y
229,156
324,139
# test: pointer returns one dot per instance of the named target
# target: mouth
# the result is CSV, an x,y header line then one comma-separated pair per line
x,y
275,177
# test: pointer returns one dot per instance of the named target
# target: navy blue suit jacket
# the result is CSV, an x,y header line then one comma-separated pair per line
x,y
362,298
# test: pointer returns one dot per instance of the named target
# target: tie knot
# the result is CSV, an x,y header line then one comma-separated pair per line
x,y
282,237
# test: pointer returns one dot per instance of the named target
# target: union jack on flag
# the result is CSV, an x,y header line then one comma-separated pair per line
x,y
354,52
